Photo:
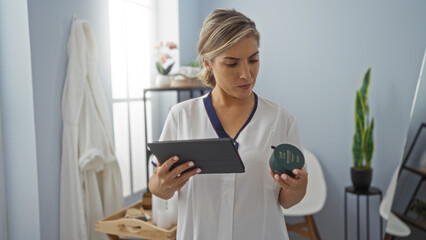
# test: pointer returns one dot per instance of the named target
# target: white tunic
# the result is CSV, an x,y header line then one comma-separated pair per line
x,y
232,206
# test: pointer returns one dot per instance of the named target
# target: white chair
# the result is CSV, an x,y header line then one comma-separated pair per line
x,y
394,227
313,201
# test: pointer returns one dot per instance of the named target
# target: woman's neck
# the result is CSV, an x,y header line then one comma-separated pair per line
x,y
220,98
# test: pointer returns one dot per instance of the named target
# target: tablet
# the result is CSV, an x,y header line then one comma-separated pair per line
x,y
217,155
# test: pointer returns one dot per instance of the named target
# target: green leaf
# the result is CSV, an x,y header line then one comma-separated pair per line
x,y
160,68
168,69
357,145
369,144
359,109
355,150
196,64
363,141
365,85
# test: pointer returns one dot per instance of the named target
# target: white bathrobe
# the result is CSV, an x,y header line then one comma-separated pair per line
x,y
90,176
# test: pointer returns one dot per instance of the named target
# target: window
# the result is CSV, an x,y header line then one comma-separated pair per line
x,y
136,27
131,29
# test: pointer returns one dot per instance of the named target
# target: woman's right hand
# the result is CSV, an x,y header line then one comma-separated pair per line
x,y
164,183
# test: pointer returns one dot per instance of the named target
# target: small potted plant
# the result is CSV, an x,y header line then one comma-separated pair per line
x,y
419,208
165,63
363,141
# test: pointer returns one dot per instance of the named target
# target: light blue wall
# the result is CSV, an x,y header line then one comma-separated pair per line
x,y
189,28
16,93
50,22
3,206
313,57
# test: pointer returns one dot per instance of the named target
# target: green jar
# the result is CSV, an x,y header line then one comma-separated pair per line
x,y
285,158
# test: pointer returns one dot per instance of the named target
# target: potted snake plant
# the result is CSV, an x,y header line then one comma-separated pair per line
x,y
363,141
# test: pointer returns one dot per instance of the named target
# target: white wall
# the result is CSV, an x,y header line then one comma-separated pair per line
x,y
16,91
313,56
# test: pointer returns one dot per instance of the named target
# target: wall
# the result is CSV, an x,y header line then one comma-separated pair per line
x,y
313,57
190,23
50,22
16,92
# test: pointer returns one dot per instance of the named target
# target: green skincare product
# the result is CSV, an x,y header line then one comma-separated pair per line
x,y
285,158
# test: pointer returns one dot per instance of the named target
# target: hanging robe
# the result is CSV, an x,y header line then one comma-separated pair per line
x,y
91,186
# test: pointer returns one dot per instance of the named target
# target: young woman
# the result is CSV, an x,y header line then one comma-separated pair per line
x,y
231,206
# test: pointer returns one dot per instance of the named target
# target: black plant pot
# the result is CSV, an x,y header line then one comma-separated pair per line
x,y
361,179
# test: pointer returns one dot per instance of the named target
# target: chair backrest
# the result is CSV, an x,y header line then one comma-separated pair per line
x,y
386,203
316,192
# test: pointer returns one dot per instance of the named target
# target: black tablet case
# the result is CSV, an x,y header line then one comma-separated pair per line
x,y
217,155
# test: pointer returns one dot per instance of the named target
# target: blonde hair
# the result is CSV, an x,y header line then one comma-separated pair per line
x,y
222,28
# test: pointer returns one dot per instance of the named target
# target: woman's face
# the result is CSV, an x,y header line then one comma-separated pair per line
x,y
236,69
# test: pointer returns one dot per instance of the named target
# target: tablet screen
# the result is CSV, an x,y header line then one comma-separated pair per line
x,y
217,155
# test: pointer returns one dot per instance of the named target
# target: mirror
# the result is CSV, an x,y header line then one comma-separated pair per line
x,y
409,203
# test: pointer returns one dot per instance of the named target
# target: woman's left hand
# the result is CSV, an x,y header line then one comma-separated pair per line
x,y
292,189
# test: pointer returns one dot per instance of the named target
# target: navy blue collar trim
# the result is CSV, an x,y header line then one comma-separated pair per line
x,y
216,122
